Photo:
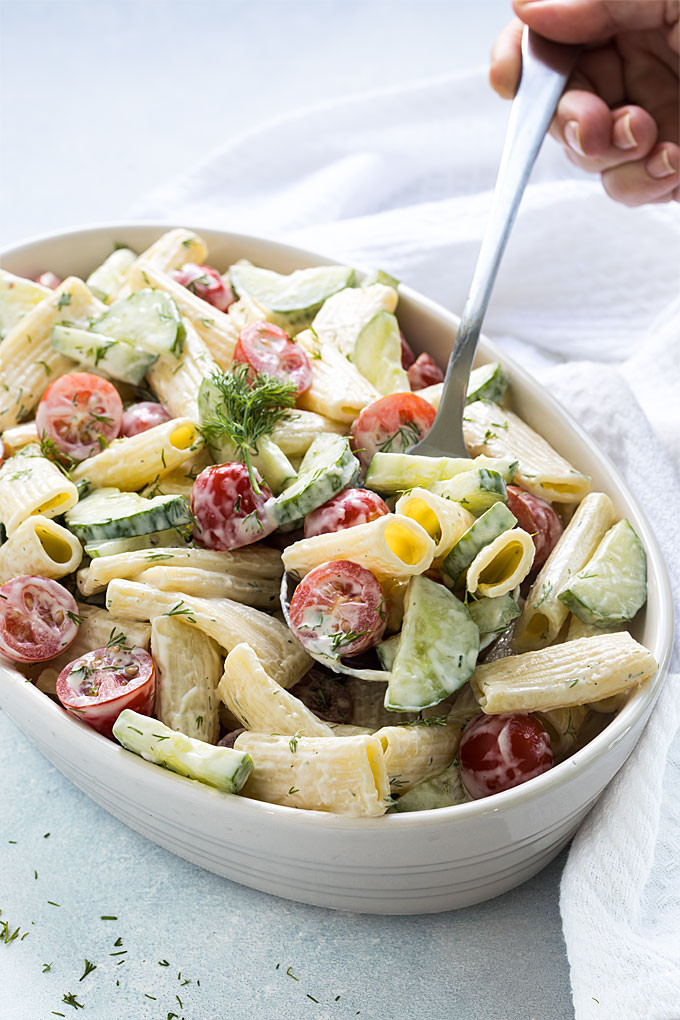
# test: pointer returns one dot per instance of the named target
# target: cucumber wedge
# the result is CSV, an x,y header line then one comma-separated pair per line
x,y
114,358
443,790
488,382
490,525
612,586
148,319
18,297
493,616
380,276
111,514
377,354
106,280
476,490
387,650
437,650
396,472
169,538
328,466
290,301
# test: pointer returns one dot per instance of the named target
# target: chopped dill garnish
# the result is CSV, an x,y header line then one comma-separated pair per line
x,y
89,967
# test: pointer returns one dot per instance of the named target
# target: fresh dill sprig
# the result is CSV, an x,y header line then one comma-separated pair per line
x,y
250,405
60,458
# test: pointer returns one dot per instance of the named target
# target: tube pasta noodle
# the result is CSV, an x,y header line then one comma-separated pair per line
x,y
502,564
443,519
28,362
260,703
18,437
296,433
188,667
229,623
338,390
391,547
417,752
209,584
39,546
491,430
176,380
32,484
573,673
543,613
347,777
133,462
254,562
171,251
180,480
343,315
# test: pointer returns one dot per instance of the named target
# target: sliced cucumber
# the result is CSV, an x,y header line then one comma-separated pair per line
x,y
443,790
170,538
115,358
387,650
476,490
290,301
109,513
612,586
18,297
328,466
377,354
488,382
397,472
437,651
490,525
106,280
493,616
148,319
380,276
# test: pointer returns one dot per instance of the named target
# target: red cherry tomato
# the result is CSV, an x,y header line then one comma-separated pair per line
x,y
81,413
48,279
407,355
349,507
97,686
391,424
228,511
498,752
538,518
38,618
142,416
424,372
338,609
206,283
269,349
2,451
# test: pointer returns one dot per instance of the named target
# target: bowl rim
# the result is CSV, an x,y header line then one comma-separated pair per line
x,y
641,702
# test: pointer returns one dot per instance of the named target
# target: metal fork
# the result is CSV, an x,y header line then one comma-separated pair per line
x,y
546,66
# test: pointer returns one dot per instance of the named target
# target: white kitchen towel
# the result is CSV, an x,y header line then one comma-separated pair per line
x,y
587,298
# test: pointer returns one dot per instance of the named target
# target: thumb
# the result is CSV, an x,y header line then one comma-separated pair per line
x,y
586,21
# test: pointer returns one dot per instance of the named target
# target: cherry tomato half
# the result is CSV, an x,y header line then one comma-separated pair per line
x,y
48,279
97,686
205,282
2,451
538,518
391,424
338,609
269,349
498,752
38,618
407,355
348,508
81,413
424,372
228,511
142,416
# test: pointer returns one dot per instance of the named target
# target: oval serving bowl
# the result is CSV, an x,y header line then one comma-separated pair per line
x,y
420,862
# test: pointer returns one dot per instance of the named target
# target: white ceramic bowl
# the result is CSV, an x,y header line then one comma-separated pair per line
x,y
400,864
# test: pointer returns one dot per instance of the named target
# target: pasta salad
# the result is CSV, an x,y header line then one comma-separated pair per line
x,y
178,440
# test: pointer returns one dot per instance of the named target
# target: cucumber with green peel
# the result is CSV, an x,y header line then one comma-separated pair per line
x,y
377,354
107,279
291,301
115,358
438,648
397,472
443,790
148,319
492,523
387,650
380,276
612,586
112,514
493,616
18,296
488,382
169,538
477,491
222,767
328,467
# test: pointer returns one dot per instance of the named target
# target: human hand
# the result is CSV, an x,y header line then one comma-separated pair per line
x,y
619,114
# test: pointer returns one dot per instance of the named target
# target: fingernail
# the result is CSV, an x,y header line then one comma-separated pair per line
x,y
572,136
622,135
659,165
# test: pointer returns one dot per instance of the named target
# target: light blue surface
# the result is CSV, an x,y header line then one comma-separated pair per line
x,y
101,102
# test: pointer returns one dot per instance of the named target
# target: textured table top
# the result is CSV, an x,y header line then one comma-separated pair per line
x,y
101,102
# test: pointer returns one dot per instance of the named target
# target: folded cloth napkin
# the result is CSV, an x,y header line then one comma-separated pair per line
x,y
587,299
